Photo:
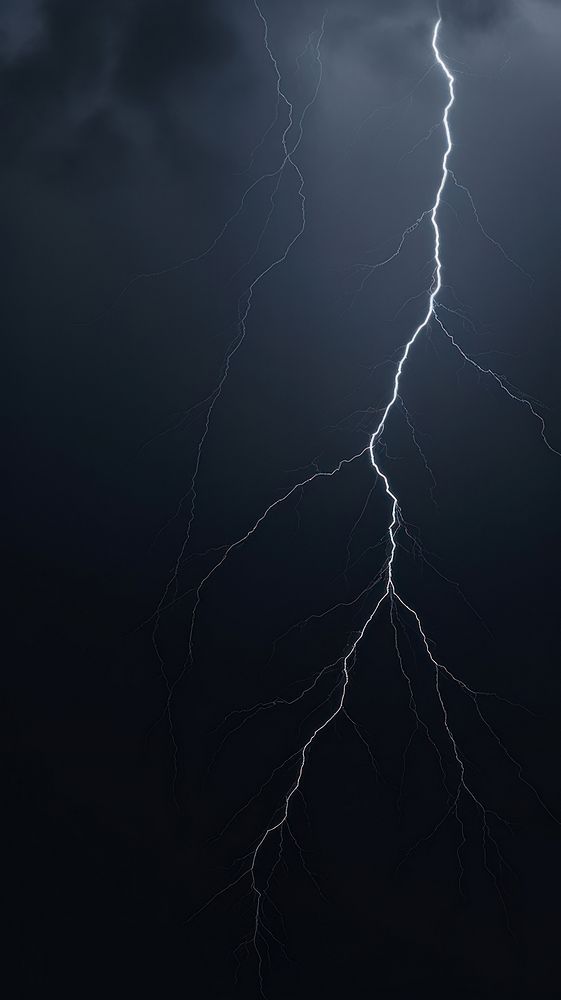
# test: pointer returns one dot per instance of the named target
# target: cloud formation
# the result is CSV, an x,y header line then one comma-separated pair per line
x,y
69,71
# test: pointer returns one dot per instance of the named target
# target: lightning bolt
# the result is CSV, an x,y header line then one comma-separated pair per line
x,y
403,616
245,303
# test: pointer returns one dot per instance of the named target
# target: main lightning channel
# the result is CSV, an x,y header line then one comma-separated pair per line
x,y
436,287
460,793
390,593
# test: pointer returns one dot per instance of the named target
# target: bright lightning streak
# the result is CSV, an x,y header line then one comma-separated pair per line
x,y
460,793
390,591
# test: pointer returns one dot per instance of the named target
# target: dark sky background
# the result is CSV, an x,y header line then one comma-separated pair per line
x,y
127,128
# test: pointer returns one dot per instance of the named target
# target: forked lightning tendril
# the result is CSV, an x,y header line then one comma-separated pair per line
x,y
461,796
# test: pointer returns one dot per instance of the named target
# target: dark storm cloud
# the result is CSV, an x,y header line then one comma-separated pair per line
x,y
69,71
477,14
65,67
48,87
155,48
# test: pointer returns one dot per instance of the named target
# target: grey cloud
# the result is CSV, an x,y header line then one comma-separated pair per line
x,y
477,14
67,69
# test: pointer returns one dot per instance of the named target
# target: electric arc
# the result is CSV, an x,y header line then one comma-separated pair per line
x,y
384,590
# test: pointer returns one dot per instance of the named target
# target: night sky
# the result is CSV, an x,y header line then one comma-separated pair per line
x,y
130,131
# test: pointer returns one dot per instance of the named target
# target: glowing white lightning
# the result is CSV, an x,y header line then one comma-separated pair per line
x,y
436,286
394,523
461,792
